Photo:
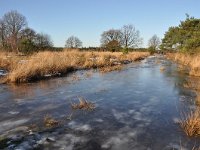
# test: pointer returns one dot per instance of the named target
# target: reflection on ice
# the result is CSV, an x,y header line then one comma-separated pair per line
x,y
9,124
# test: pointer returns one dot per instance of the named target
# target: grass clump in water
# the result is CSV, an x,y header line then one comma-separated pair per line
x,y
50,121
190,123
162,69
83,104
111,68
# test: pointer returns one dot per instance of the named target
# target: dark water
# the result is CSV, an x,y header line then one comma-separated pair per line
x,y
137,108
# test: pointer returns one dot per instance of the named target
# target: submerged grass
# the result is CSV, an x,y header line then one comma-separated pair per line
x,y
192,61
46,64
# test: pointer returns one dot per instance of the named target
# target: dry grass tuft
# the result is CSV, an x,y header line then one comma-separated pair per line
x,y
50,121
111,68
194,84
75,77
193,61
83,104
162,69
88,74
46,64
190,123
198,99
9,60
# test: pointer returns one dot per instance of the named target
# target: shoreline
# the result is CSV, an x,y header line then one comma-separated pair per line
x,y
45,65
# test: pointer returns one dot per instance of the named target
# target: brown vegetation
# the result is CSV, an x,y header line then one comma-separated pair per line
x,y
46,64
83,104
50,122
111,68
162,69
193,61
193,83
190,123
9,60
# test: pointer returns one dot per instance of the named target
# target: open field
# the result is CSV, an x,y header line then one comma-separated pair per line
x,y
192,61
46,64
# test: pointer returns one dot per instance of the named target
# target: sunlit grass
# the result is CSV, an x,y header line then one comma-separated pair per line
x,y
43,64
190,123
83,104
193,61
50,121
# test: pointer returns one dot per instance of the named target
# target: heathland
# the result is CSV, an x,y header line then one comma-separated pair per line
x,y
45,64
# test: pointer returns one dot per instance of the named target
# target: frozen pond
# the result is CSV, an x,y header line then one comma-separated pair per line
x,y
137,108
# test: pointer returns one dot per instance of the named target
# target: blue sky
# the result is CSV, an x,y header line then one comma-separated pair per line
x,y
87,19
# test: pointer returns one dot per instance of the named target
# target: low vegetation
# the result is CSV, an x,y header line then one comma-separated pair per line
x,y
50,121
111,68
83,104
192,61
47,64
190,123
162,69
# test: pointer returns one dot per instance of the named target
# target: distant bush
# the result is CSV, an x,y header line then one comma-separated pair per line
x,y
125,50
27,46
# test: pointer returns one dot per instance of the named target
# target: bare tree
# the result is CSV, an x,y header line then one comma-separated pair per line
x,y
154,42
14,23
2,33
130,37
110,36
43,41
73,42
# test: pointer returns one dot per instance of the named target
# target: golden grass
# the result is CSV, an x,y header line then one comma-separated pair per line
x,y
193,61
198,98
190,123
83,104
9,60
50,122
45,64
111,68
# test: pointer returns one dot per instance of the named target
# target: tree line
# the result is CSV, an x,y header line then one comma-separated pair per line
x,y
183,38
125,39
16,36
